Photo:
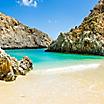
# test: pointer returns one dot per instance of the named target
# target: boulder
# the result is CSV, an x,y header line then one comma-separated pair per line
x,y
10,67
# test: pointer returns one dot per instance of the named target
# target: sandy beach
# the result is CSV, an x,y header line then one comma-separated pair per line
x,y
38,87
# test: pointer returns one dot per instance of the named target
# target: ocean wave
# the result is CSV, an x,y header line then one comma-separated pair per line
x,y
72,68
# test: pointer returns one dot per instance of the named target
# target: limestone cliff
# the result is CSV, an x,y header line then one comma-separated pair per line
x,y
88,38
14,34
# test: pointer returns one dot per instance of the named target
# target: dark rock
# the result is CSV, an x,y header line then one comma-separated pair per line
x,y
88,38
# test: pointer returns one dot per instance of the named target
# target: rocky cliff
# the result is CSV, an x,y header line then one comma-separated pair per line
x,y
88,38
14,34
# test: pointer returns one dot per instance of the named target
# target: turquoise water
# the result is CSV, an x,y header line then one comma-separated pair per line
x,y
45,60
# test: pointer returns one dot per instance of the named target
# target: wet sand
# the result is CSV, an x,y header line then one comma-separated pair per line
x,y
78,87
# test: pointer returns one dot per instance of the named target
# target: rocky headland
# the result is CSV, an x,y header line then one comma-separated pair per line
x,y
10,67
14,34
88,38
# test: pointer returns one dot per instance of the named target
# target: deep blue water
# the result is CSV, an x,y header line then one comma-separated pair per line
x,y
45,60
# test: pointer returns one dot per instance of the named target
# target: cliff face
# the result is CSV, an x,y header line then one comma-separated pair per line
x,y
88,38
13,34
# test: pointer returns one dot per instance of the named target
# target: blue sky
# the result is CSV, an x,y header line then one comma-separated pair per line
x,y
50,16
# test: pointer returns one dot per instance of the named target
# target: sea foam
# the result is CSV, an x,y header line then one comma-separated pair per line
x,y
72,68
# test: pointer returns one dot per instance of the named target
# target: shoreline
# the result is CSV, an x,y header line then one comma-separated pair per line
x,y
71,68
23,48
56,86
66,65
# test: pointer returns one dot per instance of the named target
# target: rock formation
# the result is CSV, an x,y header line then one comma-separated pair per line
x,y
88,38
13,34
10,67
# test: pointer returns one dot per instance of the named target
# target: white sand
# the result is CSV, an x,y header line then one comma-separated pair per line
x,y
56,87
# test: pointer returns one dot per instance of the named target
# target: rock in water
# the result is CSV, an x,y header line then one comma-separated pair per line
x,y
25,65
13,34
10,67
88,38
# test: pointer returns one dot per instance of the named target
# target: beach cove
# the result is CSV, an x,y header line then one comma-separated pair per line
x,y
36,69
79,83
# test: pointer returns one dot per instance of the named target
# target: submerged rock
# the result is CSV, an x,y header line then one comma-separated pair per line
x,y
14,34
10,67
88,38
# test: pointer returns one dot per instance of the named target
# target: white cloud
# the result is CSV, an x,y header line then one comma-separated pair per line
x,y
29,3
35,4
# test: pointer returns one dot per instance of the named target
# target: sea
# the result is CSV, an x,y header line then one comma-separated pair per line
x,y
51,60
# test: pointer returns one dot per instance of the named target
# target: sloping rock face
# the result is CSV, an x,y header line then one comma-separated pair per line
x,y
88,38
13,34
10,68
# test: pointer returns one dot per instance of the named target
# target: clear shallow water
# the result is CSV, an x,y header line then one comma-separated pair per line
x,y
46,60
